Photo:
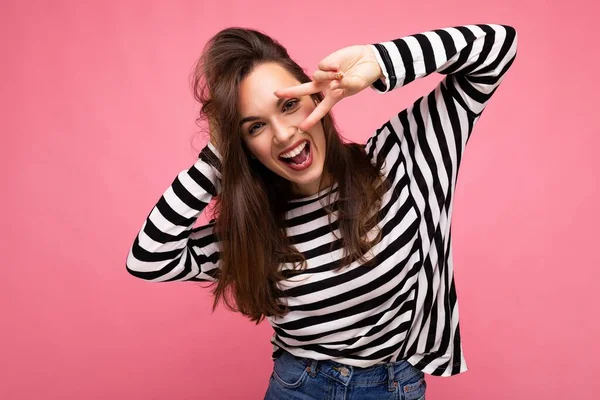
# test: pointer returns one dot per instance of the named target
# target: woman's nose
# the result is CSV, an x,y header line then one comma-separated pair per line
x,y
282,134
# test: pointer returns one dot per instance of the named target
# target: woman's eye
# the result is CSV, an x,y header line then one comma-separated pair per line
x,y
290,104
286,107
253,128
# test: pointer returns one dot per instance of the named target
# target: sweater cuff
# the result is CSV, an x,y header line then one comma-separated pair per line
x,y
381,85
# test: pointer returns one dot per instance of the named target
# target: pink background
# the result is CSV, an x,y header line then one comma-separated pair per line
x,y
98,119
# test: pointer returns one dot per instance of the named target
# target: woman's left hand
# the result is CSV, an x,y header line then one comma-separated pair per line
x,y
341,74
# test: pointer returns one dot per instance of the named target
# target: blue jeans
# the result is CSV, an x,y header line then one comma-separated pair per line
x,y
296,378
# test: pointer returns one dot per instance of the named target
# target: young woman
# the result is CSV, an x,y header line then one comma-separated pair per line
x,y
344,248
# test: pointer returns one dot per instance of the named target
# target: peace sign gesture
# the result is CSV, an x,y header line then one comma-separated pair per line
x,y
341,74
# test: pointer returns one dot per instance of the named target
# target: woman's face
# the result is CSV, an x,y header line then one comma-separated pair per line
x,y
270,128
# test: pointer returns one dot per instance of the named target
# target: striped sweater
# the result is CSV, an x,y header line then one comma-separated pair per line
x,y
405,307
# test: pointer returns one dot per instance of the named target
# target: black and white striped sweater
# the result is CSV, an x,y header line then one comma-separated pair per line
x,y
405,307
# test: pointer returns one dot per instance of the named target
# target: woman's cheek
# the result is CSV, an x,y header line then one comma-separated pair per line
x,y
263,147
302,114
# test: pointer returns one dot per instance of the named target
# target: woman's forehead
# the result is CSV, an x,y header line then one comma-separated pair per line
x,y
260,85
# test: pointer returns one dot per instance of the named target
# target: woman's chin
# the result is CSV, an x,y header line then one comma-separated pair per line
x,y
306,185
303,181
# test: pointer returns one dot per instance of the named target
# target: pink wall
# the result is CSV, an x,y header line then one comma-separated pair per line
x,y
98,118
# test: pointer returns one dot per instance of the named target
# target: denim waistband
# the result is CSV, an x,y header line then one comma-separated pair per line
x,y
398,371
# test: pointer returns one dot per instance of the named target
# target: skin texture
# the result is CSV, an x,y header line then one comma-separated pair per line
x,y
277,126
341,74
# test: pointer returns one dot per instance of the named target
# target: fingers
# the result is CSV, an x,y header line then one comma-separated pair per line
x,y
325,65
321,76
334,85
327,72
318,113
299,90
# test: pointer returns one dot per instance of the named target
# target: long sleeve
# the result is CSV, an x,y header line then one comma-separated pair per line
x,y
168,248
429,136
475,58
422,147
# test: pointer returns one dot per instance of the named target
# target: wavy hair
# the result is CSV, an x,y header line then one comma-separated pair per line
x,y
250,206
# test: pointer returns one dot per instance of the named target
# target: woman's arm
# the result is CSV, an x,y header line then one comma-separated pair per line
x,y
426,140
168,248
432,133
475,58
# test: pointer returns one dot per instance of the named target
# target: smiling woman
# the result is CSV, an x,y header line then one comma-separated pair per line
x,y
236,80
344,248
276,137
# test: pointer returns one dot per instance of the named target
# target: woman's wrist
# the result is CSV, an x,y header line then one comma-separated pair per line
x,y
373,58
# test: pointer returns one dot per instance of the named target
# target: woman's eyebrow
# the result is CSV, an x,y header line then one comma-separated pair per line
x,y
254,118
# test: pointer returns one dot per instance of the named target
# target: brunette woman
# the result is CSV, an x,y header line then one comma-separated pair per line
x,y
344,248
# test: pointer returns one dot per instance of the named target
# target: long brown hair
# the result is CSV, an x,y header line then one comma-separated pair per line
x,y
250,206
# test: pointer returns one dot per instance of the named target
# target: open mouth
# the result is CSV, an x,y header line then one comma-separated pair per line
x,y
301,157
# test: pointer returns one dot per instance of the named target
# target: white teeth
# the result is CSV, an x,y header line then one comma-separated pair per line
x,y
295,151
